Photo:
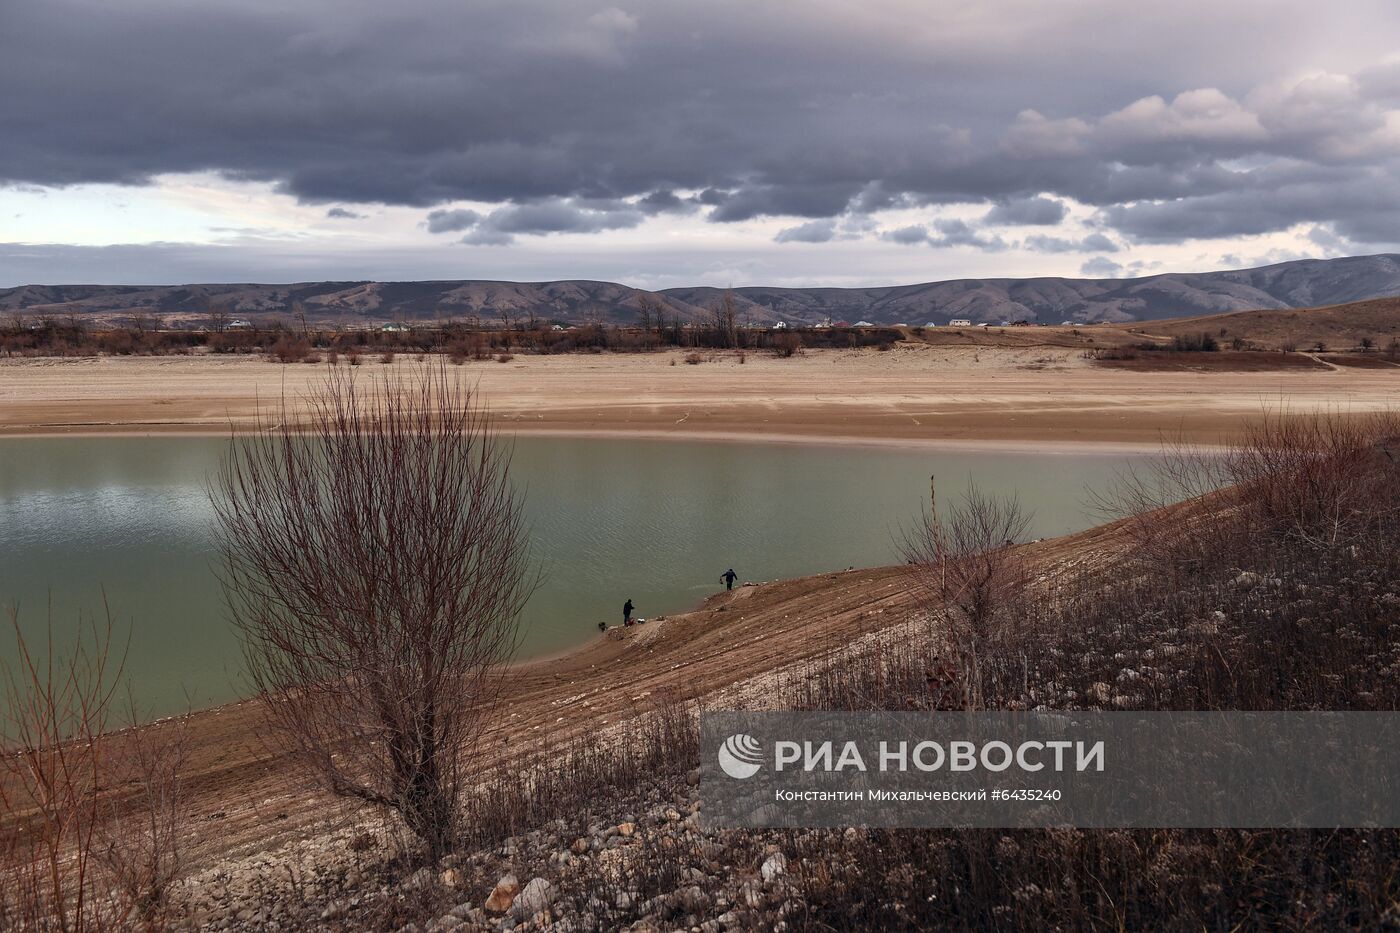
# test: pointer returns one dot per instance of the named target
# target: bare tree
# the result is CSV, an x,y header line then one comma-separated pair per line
x,y
725,320
376,561
965,567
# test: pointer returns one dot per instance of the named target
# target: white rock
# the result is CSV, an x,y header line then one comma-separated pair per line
x,y
536,896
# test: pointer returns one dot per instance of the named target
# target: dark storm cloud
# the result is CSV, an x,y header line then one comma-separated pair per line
x,y
586,116
340,213
666,202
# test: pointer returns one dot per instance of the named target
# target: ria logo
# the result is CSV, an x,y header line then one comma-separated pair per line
x,y
741,756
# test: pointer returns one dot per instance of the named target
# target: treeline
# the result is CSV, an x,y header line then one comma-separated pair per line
x,y
461,342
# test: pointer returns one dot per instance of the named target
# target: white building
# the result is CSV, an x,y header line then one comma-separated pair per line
x,y
959,322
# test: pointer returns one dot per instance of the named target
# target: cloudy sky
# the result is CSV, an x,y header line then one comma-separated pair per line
x,y
667,142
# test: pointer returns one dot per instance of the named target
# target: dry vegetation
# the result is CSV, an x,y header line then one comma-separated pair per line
x,y
1273,587
375,562
1341,327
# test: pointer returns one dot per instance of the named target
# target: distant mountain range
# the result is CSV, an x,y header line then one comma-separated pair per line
x,y
1299,284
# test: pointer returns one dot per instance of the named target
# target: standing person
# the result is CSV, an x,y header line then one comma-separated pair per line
x,y
627,612
728,577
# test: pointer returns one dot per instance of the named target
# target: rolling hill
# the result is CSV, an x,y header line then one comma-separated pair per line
x,y
1337,327
1298,284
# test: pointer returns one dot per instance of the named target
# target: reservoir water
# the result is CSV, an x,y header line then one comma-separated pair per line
x,y
611,519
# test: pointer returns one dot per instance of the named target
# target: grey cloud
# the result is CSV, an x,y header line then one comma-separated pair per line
x,y
908,235
429,102
559,217
1356,201
665,202
795,199
451,221
488,237
1035,211
1101,267
499,227
814,231
958,233
1093,243
340,213
945,232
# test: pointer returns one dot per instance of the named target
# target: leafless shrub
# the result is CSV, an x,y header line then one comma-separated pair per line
x,y
386,357
375,560
787,344
289,349
141,838
1312,478
694,359
504,358
964,567
52,767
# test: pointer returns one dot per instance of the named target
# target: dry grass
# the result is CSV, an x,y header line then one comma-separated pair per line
x,y
1136,360
1341,327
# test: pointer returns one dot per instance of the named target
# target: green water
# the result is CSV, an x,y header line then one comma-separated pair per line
x,y
653,521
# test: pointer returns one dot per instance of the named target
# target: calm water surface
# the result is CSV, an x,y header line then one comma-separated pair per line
x,y
655,521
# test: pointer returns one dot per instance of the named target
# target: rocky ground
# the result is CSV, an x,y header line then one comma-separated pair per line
x,y
641,861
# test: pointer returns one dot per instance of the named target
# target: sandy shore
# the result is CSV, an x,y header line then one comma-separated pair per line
x,y
984,396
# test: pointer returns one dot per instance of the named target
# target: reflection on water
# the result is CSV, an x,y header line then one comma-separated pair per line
x,y
611,519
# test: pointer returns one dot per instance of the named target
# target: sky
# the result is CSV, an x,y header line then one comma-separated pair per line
x,y
690,142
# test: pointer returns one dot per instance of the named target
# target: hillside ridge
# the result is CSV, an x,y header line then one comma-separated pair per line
x,y
1295,284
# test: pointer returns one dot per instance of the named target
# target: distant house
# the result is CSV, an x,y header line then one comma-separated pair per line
x,y
557,327
396,327
1066,323
781,325
959,322
842,324
899,324
931,324
240,324
864,324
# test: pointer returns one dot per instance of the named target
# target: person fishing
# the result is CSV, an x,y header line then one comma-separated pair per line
x,y
627,612
728,578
